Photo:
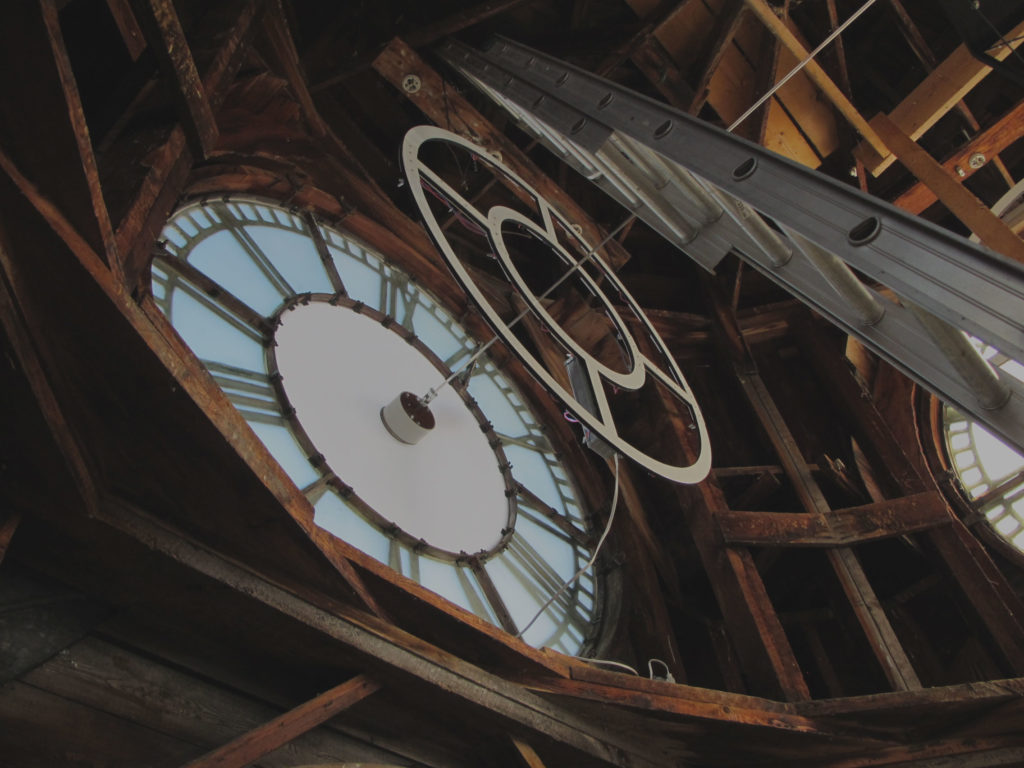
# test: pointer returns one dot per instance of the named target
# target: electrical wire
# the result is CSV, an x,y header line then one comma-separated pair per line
x,y
609,662
590,562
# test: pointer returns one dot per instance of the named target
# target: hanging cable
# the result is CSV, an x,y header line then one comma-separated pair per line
x,y
590,562
609,662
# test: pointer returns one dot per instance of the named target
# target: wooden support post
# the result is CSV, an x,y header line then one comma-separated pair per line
x,y
257,743
814,71
877,628
984,585
43,123
651,58
166,38
938,93
989,143
440,102
961,202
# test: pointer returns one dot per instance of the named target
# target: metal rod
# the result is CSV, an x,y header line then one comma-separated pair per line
x,y
433,391
771,92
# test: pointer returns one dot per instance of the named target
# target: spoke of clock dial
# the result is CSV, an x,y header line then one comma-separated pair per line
x,y
317,236
249,391
546,514
255,253
398,299
534,572
316,490
493,597
218,299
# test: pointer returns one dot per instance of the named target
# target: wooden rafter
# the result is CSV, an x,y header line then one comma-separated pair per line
x,y
166,38
721,37
254,745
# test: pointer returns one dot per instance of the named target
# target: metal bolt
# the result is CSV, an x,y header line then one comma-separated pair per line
x,y
976,160
411,83
960,171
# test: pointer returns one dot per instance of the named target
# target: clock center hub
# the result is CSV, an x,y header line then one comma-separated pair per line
x,y
341,370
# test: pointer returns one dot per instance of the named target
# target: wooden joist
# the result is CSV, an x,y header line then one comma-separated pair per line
x,y
842,527
721,37
938,93
252,746
166,38
987,144
128,26
962,203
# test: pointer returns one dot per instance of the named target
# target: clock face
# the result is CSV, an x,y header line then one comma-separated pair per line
x,y
310,335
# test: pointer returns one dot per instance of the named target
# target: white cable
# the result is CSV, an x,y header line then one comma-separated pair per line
x,y
590,562
609,662
650,671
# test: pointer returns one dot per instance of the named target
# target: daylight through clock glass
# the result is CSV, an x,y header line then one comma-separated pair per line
x,y
310,334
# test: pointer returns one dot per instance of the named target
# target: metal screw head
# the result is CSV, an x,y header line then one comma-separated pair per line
x,y
976,160
960,171
411,83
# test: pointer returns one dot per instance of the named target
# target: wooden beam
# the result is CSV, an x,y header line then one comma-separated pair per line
x,y
983,584
166,38
42,125
814,71
397,654
156,180
440,102
865,604
843,527
257,743
961,202
275,29
721,37
938,93
989,143
128,26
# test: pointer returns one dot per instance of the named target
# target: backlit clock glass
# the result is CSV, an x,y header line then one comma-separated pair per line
x,y
310,334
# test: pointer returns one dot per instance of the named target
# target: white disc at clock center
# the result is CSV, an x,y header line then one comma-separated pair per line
x,y
339,368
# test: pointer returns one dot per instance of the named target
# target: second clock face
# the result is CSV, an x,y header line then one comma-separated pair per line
x,y
310,334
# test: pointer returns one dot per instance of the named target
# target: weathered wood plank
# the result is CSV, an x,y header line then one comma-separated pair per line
x,y
989,143
448,109
255,744
393,651
528,754
651,58
166,38
938,93
961,202
842,527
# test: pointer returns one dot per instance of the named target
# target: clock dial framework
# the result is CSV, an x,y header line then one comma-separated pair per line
x,y
237,275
